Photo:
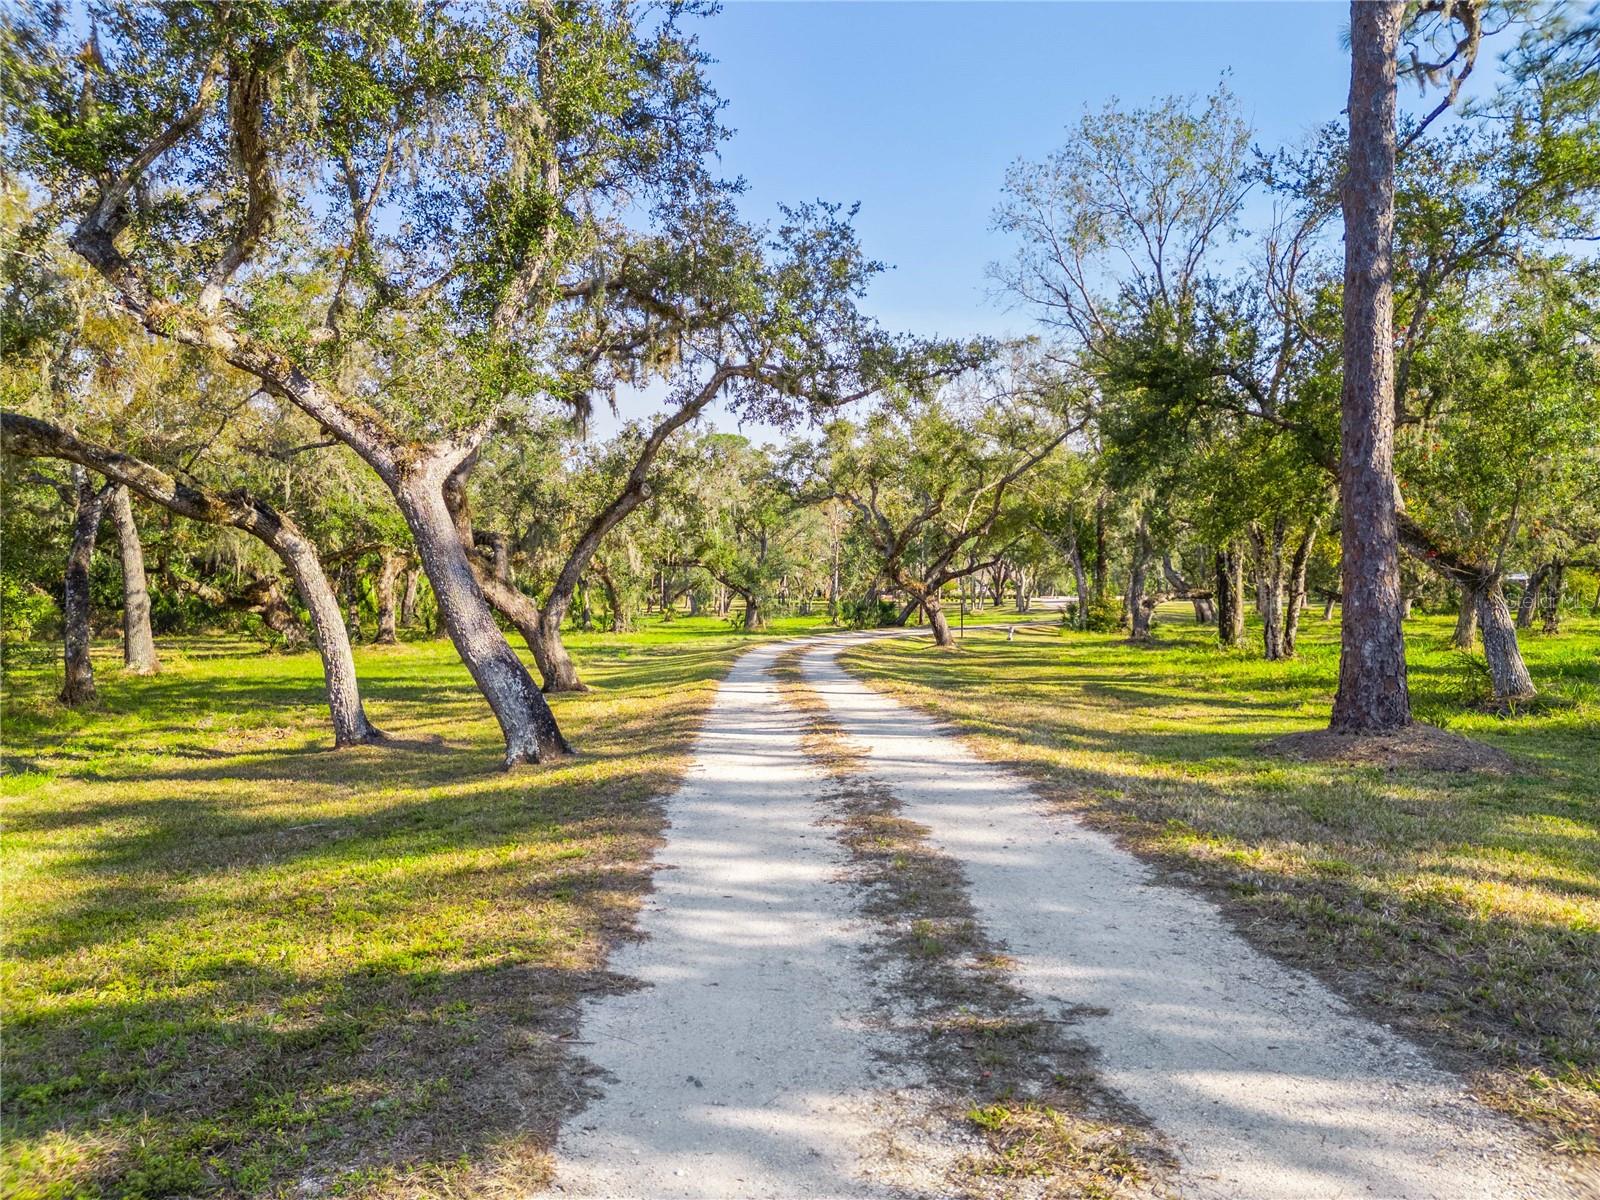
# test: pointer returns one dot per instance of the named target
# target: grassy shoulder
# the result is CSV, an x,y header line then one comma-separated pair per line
x,y
239,962
1464,908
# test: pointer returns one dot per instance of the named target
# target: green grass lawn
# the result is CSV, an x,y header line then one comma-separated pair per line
x,y
1462,908
237,961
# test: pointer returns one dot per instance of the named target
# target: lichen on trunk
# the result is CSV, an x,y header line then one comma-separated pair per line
x,y
138,641
90,501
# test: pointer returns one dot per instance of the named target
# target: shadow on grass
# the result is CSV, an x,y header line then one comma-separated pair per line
x,y
242,957
1461,905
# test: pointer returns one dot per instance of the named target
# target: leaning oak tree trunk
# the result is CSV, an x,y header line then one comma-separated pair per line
x,y
138,642
78,687
1297,584
560,673
1372,695
33,438
937,621
525,719
1507,670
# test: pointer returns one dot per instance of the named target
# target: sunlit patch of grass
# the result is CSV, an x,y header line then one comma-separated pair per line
x,y
1465,907
1036,1141
239,962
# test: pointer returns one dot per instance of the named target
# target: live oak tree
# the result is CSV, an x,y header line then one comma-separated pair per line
x,y
30,437
1508,402
753,531
1115,232
934,483
767,323
441,175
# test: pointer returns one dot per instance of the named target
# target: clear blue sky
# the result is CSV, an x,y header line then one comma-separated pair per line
x,y
915,110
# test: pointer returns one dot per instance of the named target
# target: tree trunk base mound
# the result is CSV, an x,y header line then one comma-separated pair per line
x,y
1418,747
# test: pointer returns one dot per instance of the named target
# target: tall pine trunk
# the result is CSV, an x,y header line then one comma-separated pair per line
x,y
138,641
1372,695
89,508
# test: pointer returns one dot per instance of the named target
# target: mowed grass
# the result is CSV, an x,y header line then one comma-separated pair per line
x,y
1462,908
238,962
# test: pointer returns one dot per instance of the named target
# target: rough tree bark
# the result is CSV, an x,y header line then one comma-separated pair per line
x,y
1373,695
1467,615
388,572
525,719
409,597
619,615
138,641
1510,674
938,622
1138,567
1270,586
88,509
38,439
350,589
1297,583
1230,595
